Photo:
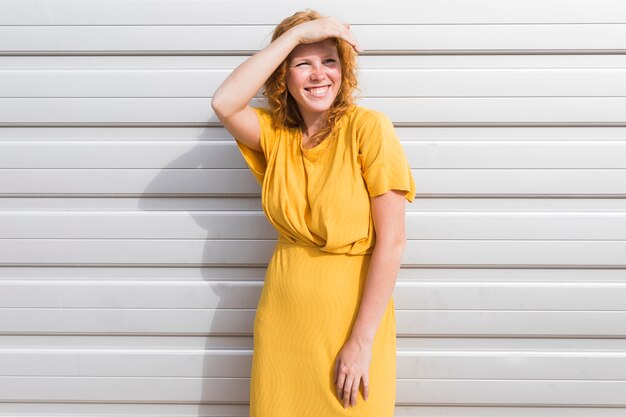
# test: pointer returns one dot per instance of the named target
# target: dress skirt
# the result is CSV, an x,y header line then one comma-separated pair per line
x,y
308,305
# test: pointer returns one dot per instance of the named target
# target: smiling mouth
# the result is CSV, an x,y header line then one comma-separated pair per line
x,y
318,91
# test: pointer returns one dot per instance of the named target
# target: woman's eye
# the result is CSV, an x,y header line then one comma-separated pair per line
x,y
330,60
302,63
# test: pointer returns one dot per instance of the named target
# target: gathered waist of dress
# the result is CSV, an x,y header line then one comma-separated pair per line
x,y
322,249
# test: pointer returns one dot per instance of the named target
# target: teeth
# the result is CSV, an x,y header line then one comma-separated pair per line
x,y
320,91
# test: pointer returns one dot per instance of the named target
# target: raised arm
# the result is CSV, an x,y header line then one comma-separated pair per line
x,y
230,100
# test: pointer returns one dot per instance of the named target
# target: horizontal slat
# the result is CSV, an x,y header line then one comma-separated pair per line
x,y
110,83
181,252
441,82
431,38
538,153
168,111
507,392
225,154
130,154
253,203
494,111
228,62
127,363
33,409
245,294
526,253
491,82
495,135
593,346
499,411
424,274
410,323
146,274
202,252
155,390
476,38
148,224
220,12
233,182
91,321
506,296
126,294
414,391
77,409
145,182
165,134
254,225
237,364
210,342
407,111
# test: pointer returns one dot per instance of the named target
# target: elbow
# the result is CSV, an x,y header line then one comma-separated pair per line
x,y
220,104
402,242
399,239
400,245
217,107
395,241
223,110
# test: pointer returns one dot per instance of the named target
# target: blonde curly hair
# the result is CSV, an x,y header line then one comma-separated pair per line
x,y
283,107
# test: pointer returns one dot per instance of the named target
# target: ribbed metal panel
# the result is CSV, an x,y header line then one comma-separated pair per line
x,y
133,245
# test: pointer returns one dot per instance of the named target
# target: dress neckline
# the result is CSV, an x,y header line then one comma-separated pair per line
x,y
322,145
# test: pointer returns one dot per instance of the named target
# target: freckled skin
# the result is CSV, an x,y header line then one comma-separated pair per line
x,y
313,65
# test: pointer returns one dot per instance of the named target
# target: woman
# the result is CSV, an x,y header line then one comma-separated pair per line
x,y
334,179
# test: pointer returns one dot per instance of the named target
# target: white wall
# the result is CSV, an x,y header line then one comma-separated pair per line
x,y
133,245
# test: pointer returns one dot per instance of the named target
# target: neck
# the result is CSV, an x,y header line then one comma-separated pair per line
x,y
312,123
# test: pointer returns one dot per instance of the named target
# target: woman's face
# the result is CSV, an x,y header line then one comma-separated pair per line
x,y
314,76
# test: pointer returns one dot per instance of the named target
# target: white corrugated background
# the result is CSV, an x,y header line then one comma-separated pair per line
x,y
133,245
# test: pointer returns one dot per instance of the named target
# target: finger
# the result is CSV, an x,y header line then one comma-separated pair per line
x,y
340,383
347,389
366,387
352,42
335,373
351,39
355,391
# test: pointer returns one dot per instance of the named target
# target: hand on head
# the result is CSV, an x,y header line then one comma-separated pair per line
x,y
326,27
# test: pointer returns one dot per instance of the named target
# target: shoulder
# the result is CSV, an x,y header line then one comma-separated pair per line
x,y
263,113
269,126
365,118
366,122
269,122
368,113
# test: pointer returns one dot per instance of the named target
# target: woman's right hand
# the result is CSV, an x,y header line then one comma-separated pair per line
x,y
326,27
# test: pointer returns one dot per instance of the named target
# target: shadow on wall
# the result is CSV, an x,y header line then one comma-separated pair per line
x,y
227,253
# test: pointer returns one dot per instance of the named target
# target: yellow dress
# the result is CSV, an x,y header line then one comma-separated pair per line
x,y
318,201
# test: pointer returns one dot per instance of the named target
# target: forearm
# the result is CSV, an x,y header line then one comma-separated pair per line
x,y
381,279
248,78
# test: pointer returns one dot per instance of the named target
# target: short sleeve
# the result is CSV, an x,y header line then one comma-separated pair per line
x,y
383,161
257,160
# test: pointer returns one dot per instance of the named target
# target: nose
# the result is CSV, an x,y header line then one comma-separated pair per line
x,y
317,72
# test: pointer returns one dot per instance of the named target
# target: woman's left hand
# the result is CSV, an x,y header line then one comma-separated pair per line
x,y
352,365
